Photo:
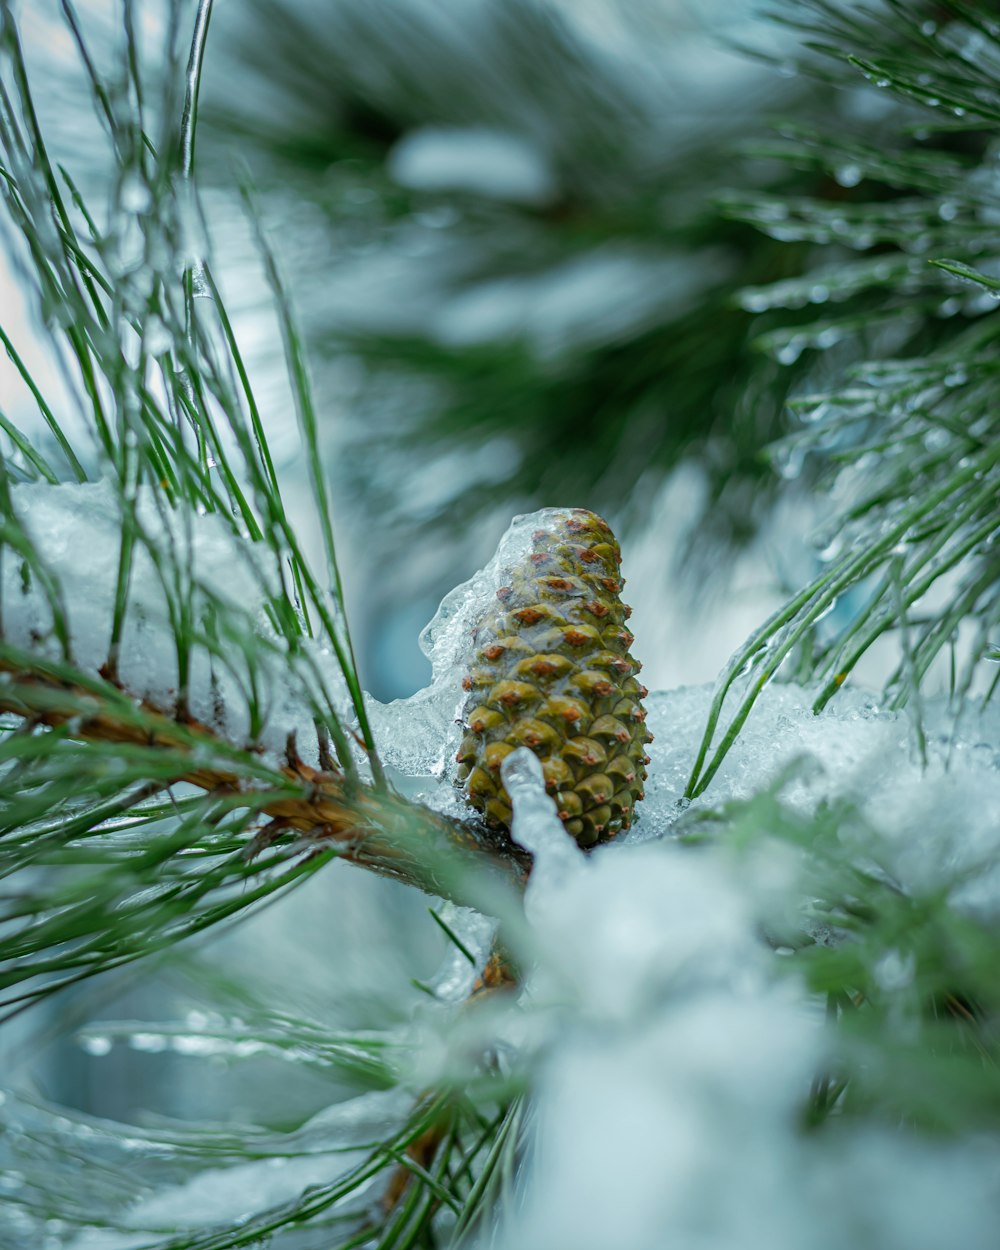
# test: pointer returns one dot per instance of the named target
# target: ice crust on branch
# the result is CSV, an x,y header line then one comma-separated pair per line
x,y
852,749
670,1061
225,579
673,1063
418,735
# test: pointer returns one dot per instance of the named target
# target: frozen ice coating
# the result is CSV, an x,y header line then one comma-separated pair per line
x,y
669,1093
457,976
77,529
493,163
536,824
419,735
669,1060
936,824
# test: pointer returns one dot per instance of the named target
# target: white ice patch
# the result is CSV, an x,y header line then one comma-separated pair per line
x,y
496,164
938,824
418,736
77,531
606,295
676,1063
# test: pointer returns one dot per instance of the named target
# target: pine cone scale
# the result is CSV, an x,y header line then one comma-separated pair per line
x,y
552,672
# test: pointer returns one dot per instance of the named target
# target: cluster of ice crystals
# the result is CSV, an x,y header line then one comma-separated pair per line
x,y
671,1063
76,529
668,1098
418,735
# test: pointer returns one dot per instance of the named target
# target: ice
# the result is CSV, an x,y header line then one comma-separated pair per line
x,y
76,529
496,164
671,1059
670,1053
610,293
670,1082
536,825
418,736
457,976
853,749
938,823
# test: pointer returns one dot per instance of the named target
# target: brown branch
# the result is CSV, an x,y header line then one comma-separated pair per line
x,y
373,827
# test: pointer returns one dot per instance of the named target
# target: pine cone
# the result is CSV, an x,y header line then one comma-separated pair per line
x,y
552,671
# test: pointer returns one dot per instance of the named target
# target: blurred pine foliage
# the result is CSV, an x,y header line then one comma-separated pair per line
x,y
672,280
566,331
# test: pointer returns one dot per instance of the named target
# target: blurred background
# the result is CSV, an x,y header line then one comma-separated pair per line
x,y
504,225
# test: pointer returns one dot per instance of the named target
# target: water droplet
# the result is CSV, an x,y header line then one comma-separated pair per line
x,y
818,412
199,283
754,301
135,194
819,293
788,353
935,439
830,547
848,175
947,211
96,1044
825,612
152,1043
788,461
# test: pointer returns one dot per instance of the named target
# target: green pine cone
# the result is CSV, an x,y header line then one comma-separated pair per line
x,y
552,671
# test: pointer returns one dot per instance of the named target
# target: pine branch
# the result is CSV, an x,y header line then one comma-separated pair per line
x,y
370,826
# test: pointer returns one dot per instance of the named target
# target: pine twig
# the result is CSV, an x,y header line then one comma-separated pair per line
x,y
373,828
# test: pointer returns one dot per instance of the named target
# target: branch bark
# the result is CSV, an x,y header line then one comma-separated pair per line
x,y
373,826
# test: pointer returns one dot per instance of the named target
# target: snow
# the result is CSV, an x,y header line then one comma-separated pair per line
x,y
76,529
853,749
669,1086
671,1060
496,164
610,293
671,1050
